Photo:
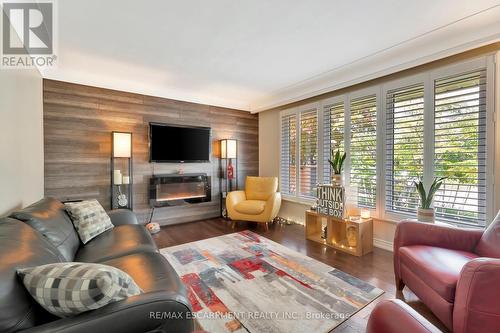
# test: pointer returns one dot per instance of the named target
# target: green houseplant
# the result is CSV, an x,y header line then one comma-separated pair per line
x,y
425,212
336,163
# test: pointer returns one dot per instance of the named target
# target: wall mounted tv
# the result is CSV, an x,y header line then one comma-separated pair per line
x,y
174,143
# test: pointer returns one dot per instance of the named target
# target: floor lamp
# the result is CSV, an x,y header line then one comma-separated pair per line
x,y
229,159
121,170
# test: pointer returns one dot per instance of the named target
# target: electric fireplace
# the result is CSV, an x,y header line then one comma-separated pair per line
x,y
177,189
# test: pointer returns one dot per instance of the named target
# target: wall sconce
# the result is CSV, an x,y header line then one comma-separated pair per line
x,y
121,165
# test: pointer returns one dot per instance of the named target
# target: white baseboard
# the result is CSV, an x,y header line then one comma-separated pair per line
x,y
383,244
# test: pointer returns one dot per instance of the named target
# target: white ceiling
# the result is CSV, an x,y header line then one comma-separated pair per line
x,y
257,54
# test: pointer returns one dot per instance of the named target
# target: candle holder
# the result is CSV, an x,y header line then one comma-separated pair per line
x,y
121,159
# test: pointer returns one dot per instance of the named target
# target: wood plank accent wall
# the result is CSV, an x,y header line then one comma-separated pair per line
x,y
78,121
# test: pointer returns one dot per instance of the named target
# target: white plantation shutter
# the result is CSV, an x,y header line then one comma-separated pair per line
x,y
333,135
363,149
288,154
460,146
308,149
404,147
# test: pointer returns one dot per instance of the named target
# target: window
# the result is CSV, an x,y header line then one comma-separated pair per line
x,y
363,150
460,146
308,153
288,151
404,147
299,162
433,124
333,137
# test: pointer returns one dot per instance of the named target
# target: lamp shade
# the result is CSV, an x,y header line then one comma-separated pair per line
x,y
228,148
122,144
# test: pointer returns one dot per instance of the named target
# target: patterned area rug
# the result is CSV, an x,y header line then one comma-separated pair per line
x,y
243,282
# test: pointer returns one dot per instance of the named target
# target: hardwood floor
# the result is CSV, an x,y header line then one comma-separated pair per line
x,y
375,268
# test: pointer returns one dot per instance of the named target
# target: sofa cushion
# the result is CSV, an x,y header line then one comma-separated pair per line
x,y
251,207
48,216
151,271
119,241
260,188
21,246
89,218
489,244
438,267
70,288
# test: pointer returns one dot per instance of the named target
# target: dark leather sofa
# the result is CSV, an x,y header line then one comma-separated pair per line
x,y
43,233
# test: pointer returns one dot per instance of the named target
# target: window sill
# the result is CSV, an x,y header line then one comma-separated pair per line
x,y
395,219
299,200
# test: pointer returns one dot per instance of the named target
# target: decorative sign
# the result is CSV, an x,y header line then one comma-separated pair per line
x,y
331,200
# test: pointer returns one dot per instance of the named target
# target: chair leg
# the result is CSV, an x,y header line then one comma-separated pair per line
x,y
399,284
233,224
266,227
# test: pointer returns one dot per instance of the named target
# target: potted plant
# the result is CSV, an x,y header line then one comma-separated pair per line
x,y
425,213
336,163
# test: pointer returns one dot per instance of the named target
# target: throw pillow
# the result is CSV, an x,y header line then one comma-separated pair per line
x,y
67,289
89,218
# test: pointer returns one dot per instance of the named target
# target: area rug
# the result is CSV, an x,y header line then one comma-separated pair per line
x,y
243,282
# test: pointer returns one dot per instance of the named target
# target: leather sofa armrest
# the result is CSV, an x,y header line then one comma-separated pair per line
x,y
476,307
394,316
122,216
419,233
157,311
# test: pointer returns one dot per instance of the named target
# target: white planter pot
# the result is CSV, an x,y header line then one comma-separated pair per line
x,y
337,180
425,215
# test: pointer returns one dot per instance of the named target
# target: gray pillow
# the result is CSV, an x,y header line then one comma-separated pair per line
x,y
67,289
89,218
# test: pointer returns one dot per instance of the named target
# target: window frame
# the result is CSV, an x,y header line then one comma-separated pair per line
x,y
360,93
297,111
321,135
487,63
386,87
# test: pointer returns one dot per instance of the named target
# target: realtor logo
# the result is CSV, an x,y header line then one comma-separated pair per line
x,y
27,34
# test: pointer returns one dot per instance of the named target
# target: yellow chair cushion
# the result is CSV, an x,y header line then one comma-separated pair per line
x,y
260,188
250,207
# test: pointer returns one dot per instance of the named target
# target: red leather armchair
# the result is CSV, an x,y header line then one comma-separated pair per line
x,y
454,271
395,316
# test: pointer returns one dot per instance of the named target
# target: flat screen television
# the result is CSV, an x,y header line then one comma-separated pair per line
x,y
174,143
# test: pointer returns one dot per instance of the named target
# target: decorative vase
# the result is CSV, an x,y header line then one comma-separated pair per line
x,y
351,236
337,179
324,232
425,215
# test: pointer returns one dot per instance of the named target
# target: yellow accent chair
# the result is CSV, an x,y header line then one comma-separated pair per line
x,y
259,202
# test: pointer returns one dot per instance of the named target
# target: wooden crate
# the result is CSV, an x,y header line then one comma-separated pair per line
x,y
353,237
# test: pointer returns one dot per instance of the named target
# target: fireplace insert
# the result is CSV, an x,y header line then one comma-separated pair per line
x,y
177,189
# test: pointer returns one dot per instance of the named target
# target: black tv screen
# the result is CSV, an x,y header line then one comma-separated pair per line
x,y
169,143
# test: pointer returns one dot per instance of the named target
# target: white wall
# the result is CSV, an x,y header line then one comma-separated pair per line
x,y
21,139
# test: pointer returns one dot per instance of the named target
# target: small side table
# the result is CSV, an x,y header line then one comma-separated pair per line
x,y
353,237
